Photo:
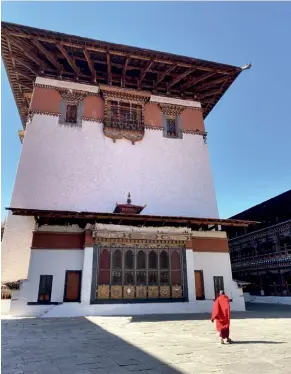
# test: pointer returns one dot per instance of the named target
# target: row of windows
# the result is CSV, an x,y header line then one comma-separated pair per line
x,y
127,266
123,115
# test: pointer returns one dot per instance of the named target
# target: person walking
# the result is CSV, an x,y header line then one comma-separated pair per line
x,y
221,314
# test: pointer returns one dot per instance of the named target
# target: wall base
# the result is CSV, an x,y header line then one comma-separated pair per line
x,y
283,300
19,308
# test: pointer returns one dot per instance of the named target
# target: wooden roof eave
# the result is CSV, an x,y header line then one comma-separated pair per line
x,y
94,216
165,65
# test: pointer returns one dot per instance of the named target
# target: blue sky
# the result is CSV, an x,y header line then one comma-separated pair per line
x,y
249,131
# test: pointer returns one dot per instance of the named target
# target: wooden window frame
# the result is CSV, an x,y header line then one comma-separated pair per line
x,y
49,291
63,116
178,124
122,107
147,269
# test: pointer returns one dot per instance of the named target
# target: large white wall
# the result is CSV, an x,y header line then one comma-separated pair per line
x,y
15,247
214,264
52,262
69,168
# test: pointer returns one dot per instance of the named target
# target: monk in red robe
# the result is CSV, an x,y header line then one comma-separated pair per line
x,y
221,314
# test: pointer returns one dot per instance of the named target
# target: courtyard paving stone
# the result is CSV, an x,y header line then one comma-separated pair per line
x,y
149,344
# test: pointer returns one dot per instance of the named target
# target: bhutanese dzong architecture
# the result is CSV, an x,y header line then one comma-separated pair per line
x,y
261,254
113,209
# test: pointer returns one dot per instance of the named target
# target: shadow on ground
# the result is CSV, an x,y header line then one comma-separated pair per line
x,y
71,346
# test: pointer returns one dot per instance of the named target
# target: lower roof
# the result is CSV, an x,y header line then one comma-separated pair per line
x,y
73,217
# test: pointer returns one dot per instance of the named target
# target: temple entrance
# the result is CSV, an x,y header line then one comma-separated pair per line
x,y
72,286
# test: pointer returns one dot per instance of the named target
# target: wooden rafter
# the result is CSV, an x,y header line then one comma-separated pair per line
x,y
23,63
143,73
38,52
69,59
109,68
27,52
49,56
212,83
90,64
23,74
193,81
28,95
132,55
215,98
210,93
181,76
124,71
24,85
163,75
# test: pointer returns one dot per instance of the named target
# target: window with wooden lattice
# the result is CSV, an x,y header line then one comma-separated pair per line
x,y
124,115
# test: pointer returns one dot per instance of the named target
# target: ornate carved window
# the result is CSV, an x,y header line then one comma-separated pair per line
x,y
172,122
172,127
124,115
71,108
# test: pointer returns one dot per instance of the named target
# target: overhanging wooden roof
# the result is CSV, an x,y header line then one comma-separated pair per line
x,y
29,52
126,219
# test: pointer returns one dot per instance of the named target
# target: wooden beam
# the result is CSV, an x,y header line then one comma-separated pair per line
x,y
193,81
23,63
143,73
50,56
209,93
180,77
91,65
27,52
18,71
28,95
109,68
163,75
211,84
230,70
25,85
124,71
69,59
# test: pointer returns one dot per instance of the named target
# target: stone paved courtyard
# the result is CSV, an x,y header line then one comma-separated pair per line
x,y
148,345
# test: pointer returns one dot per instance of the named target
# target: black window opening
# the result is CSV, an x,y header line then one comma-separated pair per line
x,y
218,285
172,127
71,113
45,288
140,267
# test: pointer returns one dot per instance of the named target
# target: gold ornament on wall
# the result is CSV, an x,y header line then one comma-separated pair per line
x,y
103,292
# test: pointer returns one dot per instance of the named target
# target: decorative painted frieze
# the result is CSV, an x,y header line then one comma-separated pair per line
x,y
140,239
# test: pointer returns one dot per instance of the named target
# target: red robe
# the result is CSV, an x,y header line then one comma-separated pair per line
x,y
221,314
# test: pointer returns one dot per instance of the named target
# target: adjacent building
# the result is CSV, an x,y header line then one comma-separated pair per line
x,y
261,255
113,209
